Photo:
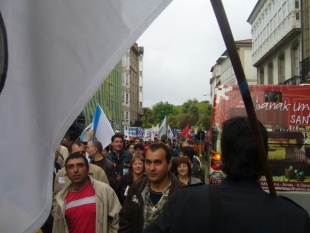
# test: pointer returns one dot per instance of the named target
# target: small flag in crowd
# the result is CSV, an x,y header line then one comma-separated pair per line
x,y
186,132
101,128
85,135
162,128
169,133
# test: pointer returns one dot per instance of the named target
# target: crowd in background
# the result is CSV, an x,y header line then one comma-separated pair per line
x,y
123,163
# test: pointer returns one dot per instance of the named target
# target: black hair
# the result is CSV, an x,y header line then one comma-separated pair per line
x,y
157,146
117,135
239,151
77,155
79,143
188,151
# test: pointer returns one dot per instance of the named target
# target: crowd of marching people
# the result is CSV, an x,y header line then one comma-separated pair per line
x,y
128,185
119,165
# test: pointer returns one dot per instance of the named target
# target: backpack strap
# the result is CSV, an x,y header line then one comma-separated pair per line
x,y
215,208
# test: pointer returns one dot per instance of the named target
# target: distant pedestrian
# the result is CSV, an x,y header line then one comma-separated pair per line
x,y
118,156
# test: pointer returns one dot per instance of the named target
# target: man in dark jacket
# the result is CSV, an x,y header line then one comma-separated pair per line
x,y
238,204
118,156
94,150
147,198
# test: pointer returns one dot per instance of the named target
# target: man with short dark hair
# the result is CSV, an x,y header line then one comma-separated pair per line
x,y
62,179
238,203
94,150
137,140
148,197
139,149
85,204
118,156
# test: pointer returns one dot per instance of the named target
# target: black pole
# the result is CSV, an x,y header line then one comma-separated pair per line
x,y
243,85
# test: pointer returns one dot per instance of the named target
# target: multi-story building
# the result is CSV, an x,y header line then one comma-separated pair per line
x,y
277,41
131,86
141,53
108,96
305,41
222,71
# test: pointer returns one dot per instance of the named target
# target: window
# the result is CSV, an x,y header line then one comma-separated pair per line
x,y
140,89
127,98
140,73
140,104
281,69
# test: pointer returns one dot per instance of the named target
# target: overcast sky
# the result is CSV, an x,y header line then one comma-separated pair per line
x,y
182,45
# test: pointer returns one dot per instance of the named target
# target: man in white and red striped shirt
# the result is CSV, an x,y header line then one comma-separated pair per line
x,y
85,205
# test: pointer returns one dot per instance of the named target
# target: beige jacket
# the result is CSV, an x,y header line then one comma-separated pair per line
x,y
62,180
107,209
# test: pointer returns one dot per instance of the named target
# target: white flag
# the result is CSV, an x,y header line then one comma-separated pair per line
x,y
54,56
162,128
102,128
155,132
85,135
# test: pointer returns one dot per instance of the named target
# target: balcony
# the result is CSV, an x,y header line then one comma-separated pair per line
x,y
296,80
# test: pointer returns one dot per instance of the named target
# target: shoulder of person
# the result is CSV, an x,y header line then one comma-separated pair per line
x,y
108,163
100,185
126,153
139,185
293,203
198,189
195,180
174,181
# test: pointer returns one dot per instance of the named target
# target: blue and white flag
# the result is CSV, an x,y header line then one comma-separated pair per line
x,y
162,129
54,57
101,128
169,132
86,134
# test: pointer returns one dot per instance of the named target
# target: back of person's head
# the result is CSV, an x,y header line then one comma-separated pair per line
x,y
79,143
239,151
156,146
77,155
188,151
98,146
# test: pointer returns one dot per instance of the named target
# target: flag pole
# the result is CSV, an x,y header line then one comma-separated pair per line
x,y
243,85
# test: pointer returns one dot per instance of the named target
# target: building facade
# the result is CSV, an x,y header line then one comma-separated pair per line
x,y
141,54
223,73
108,96
132,87
305,41
277,41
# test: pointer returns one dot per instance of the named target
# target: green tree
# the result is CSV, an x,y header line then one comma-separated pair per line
x,y
160,110
147,118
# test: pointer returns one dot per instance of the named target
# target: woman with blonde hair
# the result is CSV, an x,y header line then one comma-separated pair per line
x,y
136,172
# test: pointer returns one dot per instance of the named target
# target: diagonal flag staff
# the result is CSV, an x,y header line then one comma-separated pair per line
x,y
243,85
